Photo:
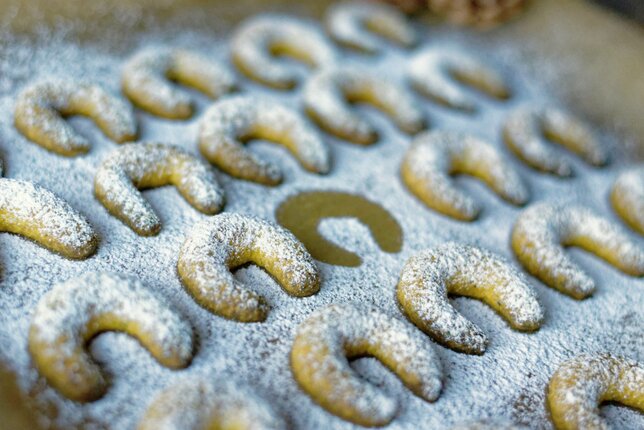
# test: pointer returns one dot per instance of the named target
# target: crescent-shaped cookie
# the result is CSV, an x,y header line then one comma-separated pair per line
x,y
230,122
149,77
228,240
330,337
41,107
328,95
527,128
542,231
302,213
357,24
260,39
434,156
433,73
198,403
36,213
146,165
581,384
69,316
627,197
430,276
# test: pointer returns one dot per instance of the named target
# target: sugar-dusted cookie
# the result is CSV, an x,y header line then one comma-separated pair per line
x,y
36,213
197,403
148,80
69,316
326,341
329,92
260,39
527,128
230,122
434,156
433,73
627,197
41,107
488,425
356,23
581,384
542,231
226,241
144,165
451,268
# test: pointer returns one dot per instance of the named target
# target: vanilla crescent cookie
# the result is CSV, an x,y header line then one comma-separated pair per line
x,y
329,92
527,128
541,232
144,165
230,122
581,384
69,316
627,197
38,214
432,73
259,39
198,403
148,80
226,241
430,276
330,337
41,107
434,156
354,23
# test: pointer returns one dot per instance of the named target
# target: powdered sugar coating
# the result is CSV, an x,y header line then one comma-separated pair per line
x,y
36,213
432,73
579,386
352,23
327,95
429,276
143,165
542,230
40,108
627,197
197,402
229,122
329,337
488,425
226,241
257,41
69,316
524,133
147,79
434,156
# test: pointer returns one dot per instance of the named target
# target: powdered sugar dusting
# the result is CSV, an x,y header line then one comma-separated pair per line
x,y
627,196
434,156
229,122
144,165
352,23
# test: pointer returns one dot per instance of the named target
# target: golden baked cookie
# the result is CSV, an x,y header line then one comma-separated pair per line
x,y
581,384
434,156
356,24
627,197
149,77
41,107
69,316
37,214
527,128
326,341
430,276
227,124
328,95
435,73
541,232
198,403
145,165
226,241
258,41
